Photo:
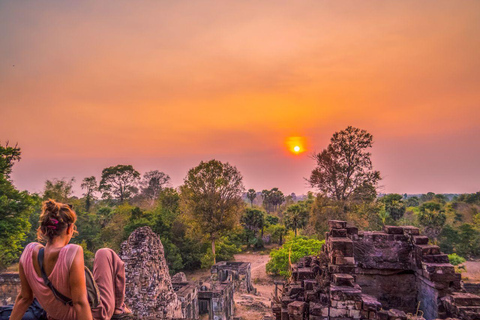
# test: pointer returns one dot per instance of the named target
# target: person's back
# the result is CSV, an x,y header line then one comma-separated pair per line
x,y
57,266
64,266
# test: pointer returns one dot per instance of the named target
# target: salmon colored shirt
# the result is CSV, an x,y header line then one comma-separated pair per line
x,y
59,278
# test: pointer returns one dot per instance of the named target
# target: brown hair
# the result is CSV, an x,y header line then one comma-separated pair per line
x,y
54,219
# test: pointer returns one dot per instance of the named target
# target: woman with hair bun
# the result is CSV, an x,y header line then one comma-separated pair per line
x,y
64,266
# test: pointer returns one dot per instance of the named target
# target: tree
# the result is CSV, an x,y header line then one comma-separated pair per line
x,y
153,183
15,209
8,156
266,200
323,210
59,189
252,220
296,216
432,217
119,182
251,195
90,185
272,199
276,198
345,164
212,194
412,202
394,205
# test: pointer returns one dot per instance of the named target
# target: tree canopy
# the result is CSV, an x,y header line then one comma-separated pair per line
x,y
119,182
345,164
15,209
212,195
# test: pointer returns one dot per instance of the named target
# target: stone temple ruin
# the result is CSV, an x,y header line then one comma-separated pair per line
x,y
152,294
394,274
238,272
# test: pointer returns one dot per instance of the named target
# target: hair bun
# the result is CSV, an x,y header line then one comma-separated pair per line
x,y
51,206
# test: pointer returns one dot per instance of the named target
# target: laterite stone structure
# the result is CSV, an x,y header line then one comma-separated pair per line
x,y
393,274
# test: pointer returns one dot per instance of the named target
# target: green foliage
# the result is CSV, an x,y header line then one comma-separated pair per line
x,y
270,219
16,207
296,248
324,209
58,189
394,206
272,199
119,182
253,220
432,217
251,195
153,183
212,196
296,216
225,250
455,259
472,198
277,233
89,184
412,202
345,165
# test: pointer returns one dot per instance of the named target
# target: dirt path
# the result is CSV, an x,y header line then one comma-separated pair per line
x,y
473,271
255,307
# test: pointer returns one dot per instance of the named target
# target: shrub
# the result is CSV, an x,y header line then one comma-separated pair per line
x,y
455,259
297,248
224,250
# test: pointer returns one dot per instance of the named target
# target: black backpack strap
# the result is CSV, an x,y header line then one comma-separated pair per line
x,y
65,300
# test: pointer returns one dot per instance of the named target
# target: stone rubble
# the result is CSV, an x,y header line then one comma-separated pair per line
x,y
393,274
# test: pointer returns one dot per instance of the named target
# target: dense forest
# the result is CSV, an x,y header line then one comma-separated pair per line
x,y
212,215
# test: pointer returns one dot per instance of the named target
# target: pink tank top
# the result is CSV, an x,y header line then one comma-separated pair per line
x,y
59,278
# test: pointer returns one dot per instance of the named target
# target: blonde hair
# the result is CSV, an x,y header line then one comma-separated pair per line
x,y
54,219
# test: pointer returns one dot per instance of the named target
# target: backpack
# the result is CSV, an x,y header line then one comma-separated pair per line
x,y
93,293
34,312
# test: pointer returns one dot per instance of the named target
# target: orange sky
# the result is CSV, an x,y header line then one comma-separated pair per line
x,y
165,84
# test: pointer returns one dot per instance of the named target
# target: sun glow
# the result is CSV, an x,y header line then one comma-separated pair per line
x,y
296,145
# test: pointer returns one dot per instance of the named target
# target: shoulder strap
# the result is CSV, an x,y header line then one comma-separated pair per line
x,y
65,300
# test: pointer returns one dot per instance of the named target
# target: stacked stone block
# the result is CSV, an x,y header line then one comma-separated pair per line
x,y
392,274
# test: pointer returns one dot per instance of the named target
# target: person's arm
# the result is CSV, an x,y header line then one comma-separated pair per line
x,y
78,287
24,298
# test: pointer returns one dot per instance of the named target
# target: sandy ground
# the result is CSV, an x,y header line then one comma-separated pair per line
x,y
473,271
249,306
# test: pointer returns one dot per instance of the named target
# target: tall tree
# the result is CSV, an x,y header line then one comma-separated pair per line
x,y
153,183
212,194
252,220
266,199
276,198
89,184
15,208
432,217
251,195
296,216
119,182
345,164
59,189
394,205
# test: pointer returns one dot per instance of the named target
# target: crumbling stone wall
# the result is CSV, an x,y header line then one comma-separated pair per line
x,y
149,290
9,288
239,272
218,298
375,275
187,293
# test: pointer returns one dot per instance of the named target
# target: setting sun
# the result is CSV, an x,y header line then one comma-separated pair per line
x,y
296,145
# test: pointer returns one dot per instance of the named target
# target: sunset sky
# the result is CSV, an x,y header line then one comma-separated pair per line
x,y
165,84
